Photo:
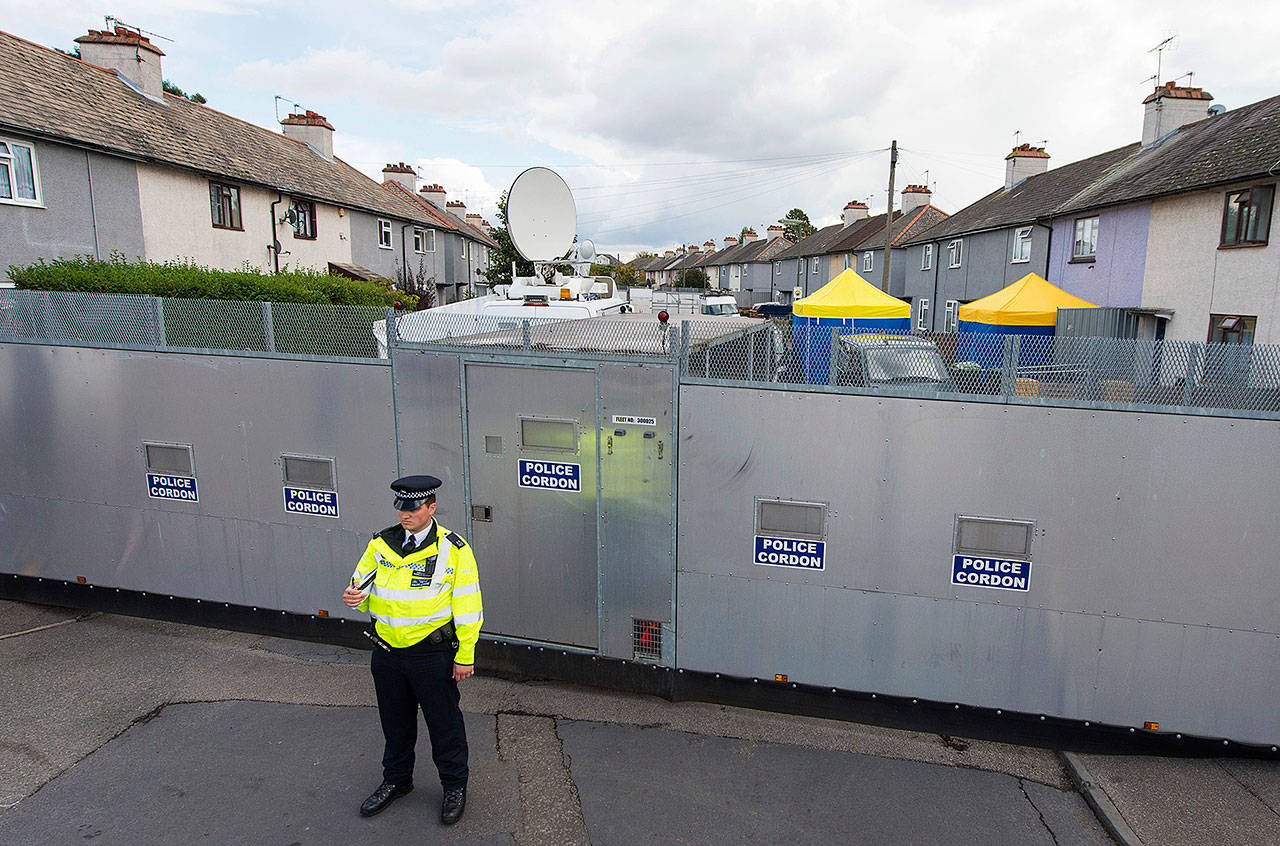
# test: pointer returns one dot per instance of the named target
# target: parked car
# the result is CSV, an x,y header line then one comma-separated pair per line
x,y
891,361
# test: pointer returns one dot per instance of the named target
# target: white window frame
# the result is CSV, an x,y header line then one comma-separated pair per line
x,y
1021,253
813,267
421,237
8,159
1076,254
868,261
922,315
926,257
951,317
955,253
384,234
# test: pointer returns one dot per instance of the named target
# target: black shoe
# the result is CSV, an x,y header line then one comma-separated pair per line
x,y
384,796
451,808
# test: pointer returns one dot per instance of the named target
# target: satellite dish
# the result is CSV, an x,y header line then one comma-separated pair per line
x,y
541,216
586,250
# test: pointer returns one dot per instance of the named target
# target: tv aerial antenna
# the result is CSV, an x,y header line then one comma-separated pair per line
x,y
1159,49
542,218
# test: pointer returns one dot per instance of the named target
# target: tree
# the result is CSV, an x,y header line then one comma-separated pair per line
x,y
173,89
419,283
691,277
796,225
499,270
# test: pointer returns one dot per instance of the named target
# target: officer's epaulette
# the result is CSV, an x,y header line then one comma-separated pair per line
x,y
456,540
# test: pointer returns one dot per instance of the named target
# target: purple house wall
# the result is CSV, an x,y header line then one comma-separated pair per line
x,y
1114,277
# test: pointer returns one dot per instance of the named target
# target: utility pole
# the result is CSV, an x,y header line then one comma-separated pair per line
x,y
888,218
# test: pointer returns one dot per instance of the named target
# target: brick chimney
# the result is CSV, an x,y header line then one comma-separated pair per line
x,y
915,196
709,246
854,210
401,173
311,129
474,219
750,237
1023,161
456,207
730,241
671,252
434,193
130,54
775,231
1170,107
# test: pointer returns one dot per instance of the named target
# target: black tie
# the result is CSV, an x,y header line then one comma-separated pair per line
x,y
409,544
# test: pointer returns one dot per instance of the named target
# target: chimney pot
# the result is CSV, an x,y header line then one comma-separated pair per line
x,y
853,211
130,54
915,196
1024,161
312,129
1171,106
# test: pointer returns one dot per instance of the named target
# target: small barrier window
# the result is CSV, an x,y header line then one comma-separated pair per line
x,y
169,458
554,435
309,472
993,536
791,519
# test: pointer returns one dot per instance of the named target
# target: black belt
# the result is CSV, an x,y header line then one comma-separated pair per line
x,y
446,635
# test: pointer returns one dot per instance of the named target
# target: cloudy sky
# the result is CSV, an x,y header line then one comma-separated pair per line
x,y
680,122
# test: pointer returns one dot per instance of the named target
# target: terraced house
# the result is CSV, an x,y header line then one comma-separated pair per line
x,y
96,159
1171,232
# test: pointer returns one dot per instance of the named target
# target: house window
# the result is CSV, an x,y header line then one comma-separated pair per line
x,y
384,234
19,174
1021,245
813,267
304,219
848,260
868,261
926,257
922,315
1231,329
1246,220
777,268
954,252
1084,245
224,202
951,318
424,241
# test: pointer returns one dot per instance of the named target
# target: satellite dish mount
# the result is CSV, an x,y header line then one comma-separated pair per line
x,y
541,218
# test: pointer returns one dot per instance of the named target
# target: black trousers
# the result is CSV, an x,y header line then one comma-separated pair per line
x,y
406,679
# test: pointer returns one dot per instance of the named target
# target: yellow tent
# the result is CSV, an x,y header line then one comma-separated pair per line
x,y
1031,301
850,296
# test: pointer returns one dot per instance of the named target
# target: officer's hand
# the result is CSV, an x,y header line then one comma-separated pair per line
x,y
352,597
462,672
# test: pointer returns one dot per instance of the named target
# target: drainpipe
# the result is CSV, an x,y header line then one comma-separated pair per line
x,y
404,254
275,242
933,306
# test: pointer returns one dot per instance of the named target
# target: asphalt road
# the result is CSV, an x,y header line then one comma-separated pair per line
x,y
119,730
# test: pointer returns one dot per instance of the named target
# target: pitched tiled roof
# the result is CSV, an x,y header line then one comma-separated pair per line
x,y
815,244
1035,196
1235,146
868,234
440,218
51,95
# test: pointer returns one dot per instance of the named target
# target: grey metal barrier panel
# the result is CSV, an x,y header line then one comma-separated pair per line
x,y
78,431
318,330
1089,372
819,535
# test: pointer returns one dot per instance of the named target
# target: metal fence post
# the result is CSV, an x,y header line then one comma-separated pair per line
x,y
158,306
684,347
1194,357
1008,371
268,327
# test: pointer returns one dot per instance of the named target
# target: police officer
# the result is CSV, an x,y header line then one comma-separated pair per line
x,y
418,582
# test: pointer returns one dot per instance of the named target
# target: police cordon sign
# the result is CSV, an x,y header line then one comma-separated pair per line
x,y
791,552
161,486
998,573
307,501
550,475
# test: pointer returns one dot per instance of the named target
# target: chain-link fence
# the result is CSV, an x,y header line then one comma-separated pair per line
x,y
1111,372
301,329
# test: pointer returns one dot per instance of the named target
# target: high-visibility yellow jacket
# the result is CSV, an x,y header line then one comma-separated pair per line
x,y
409,598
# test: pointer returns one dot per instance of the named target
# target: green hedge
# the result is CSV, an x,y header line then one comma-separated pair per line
x,y
187,279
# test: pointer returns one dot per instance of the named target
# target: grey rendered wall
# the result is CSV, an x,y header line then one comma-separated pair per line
x,y
91,208
75,420
984,268
365,251
1135,613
